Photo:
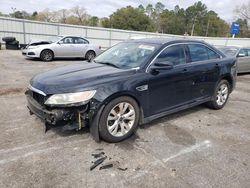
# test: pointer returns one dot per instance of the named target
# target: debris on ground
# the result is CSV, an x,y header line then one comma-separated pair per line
x,y
122,169
106,166
97,155
100,156
98,162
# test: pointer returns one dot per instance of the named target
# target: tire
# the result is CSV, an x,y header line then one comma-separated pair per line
x,y
115,128
47,55
8,39
14,42
12,46
90,55
220,96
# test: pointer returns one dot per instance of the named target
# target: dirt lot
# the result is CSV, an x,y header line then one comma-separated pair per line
x,y
198,147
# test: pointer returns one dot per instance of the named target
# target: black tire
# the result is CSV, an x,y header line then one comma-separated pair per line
x,y
14,42
8,39
90,55
47,55
103,125
12,46
214,103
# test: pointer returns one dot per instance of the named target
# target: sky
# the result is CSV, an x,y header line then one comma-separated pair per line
x,y
104,8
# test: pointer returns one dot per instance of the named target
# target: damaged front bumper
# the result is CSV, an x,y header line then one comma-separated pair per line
x,y
70,117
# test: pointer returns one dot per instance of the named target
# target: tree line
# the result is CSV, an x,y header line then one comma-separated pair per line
x,y
194,20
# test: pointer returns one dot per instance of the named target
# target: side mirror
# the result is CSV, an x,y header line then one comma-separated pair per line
x,y
60,42
162,66
241,55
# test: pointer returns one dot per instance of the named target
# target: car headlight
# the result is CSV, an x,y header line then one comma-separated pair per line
x,y
70,98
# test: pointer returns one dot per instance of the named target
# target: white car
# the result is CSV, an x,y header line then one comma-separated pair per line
x,y
62,47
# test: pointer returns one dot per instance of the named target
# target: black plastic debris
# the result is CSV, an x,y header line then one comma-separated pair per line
x,y
122,169
98,162
106,166
97,155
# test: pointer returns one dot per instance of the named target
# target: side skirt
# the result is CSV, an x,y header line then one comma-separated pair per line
x,y
186,106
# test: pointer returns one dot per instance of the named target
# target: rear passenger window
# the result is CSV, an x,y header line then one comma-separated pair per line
x,y
212,54
173,54
201,53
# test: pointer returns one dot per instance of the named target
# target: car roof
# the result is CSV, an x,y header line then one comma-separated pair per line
x,y
165,40
70,36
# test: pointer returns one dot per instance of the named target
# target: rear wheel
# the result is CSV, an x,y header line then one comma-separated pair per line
x,y
47,55
220,96
90,55
119,119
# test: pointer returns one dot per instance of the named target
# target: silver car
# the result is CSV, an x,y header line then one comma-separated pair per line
x,y
62,47
242,54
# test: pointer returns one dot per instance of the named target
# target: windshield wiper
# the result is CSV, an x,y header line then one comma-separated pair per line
x,y
107,63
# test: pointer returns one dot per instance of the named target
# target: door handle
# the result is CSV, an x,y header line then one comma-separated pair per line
x,y
184,70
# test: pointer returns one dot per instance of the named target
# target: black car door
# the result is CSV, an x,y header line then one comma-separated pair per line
x,y
204,65
169,88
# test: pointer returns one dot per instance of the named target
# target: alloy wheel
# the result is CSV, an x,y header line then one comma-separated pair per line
x,y
121,119
222,94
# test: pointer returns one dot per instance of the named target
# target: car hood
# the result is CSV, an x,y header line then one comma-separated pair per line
x,y
35,42
77,77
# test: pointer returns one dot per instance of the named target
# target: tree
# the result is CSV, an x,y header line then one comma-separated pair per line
x,y
46,16
243,11
81,14
21,14
93,21
244,28
105,22
130,18
62,15
149,10
195,14
141,8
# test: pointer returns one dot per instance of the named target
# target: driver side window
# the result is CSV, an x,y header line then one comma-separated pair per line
x,y
173,54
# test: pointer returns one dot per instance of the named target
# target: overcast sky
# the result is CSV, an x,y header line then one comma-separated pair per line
x,y
102,8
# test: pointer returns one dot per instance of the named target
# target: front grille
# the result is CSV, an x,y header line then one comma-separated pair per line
x,y
37,97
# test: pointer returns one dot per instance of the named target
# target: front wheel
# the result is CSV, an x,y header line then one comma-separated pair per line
x,y
220,96
47,55
119,119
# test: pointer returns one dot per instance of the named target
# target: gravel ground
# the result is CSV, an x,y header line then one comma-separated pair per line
x,y
198,147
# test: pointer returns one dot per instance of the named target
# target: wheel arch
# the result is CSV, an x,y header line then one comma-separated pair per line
x,y
47,49
89,50
94,126
228,78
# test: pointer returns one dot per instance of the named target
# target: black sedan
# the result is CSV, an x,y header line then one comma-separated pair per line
x,y
132,83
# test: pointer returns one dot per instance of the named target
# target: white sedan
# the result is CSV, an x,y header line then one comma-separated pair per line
x,y
62,47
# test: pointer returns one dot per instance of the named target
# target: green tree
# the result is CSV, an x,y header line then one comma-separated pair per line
x,y
131,19
195,15
141,8
244,28
105,22
93,21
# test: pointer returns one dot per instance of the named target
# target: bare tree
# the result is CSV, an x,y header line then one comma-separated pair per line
x,y
81,14
62,15
244,11
47,16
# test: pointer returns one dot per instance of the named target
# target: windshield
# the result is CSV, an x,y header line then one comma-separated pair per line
x,y
55,38
229,51
127,54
